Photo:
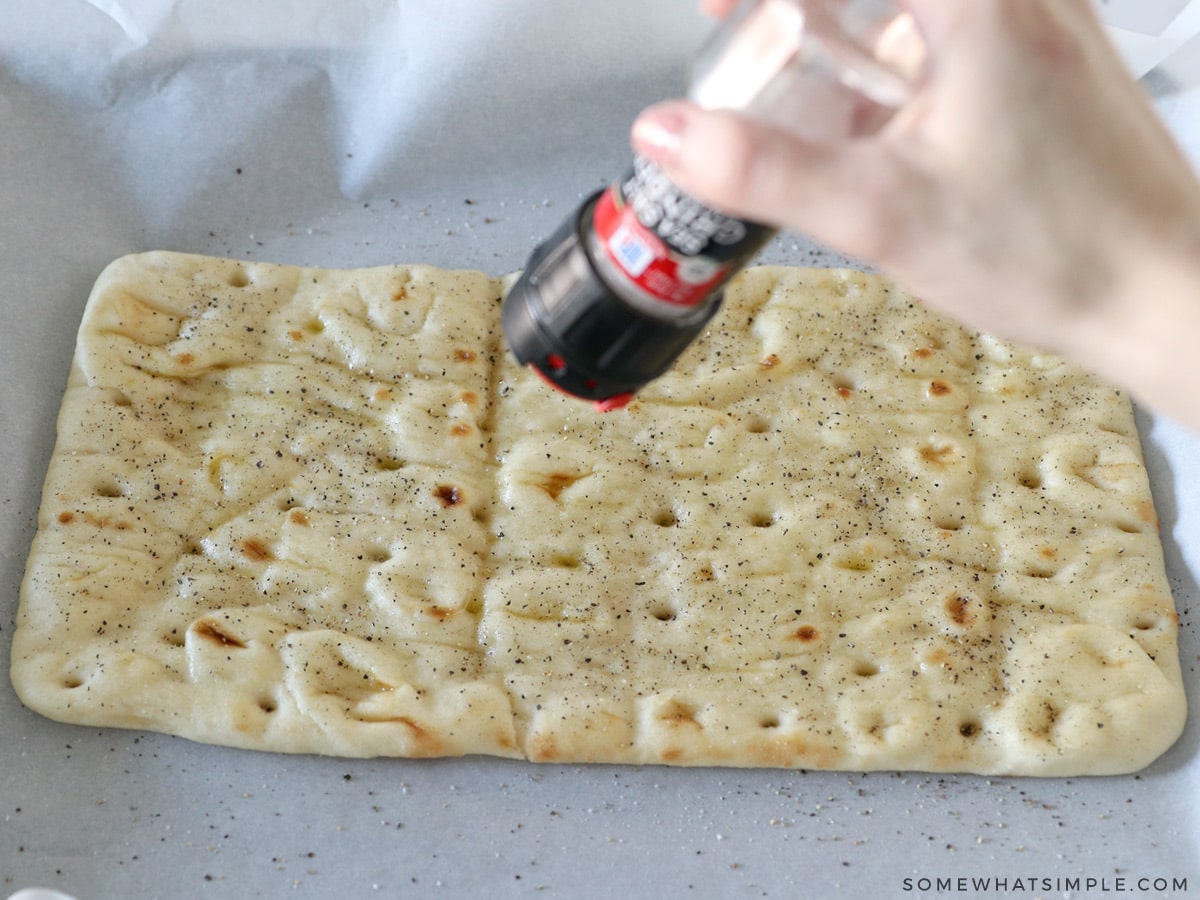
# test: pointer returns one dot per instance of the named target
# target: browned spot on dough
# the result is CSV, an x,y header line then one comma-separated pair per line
x,y
1145,510
769,361
923,353
426,743
672,754
256,550
677,713
706,573
400,293
66,517
441,613
1048,553
211,631
298,517
105,522
542,748
959,609
939,388
806,633
296,335
462,354
469,397
448,495
412,725
558,482
937,456
782,751
461,429
382,394
937,657
185,359
845,392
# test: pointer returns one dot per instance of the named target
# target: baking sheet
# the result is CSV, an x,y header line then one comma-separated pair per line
x,y
459,133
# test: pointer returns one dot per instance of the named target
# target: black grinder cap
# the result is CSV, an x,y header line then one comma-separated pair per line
x,y
580,334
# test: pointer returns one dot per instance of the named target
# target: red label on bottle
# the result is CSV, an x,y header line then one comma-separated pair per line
x,y
668,244
648,260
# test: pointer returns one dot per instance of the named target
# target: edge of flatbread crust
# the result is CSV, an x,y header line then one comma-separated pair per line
x,y
435,671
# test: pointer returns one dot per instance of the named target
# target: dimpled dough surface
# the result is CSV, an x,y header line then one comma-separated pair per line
x,y
323,511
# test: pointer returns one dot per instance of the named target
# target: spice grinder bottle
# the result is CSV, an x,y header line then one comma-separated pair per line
x,y
635,274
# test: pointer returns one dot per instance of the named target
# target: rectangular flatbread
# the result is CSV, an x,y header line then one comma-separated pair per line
x,y
324,511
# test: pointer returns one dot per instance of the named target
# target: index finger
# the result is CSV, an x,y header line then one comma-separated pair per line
x,y
718,8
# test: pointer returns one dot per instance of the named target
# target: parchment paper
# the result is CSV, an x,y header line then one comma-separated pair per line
x,y
459,133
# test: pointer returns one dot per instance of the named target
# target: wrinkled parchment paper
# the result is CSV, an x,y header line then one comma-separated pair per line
x,y
459,133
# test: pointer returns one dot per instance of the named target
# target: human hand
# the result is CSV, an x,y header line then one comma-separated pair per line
x,y
1028,189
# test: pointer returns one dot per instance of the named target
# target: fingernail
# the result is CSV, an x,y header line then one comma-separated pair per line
x,y
658,132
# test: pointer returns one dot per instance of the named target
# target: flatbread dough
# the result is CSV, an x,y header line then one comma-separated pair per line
x,y
324,511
